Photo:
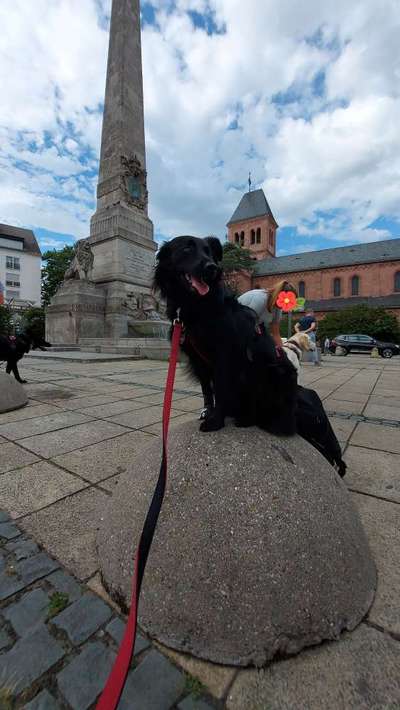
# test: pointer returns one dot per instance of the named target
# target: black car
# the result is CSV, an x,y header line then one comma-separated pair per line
x,y
363,344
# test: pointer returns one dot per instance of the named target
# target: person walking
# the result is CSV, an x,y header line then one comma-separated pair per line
x,y
327,344
308,324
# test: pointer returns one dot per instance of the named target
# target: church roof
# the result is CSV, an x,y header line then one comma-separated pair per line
x,y
253,204
18,234
388,250
336,304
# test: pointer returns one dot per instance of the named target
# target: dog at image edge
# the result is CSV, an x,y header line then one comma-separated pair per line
x,y
240,371
13,348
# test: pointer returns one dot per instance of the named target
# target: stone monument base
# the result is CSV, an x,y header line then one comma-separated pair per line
x,y
12,393
76,310
258,549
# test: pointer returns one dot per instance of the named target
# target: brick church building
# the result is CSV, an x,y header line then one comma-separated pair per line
x,y
329,279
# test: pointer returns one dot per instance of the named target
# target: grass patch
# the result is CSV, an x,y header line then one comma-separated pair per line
x,y
58,602
6,698
193,686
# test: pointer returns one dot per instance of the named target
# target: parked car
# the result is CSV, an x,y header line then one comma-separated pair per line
x,y
363,344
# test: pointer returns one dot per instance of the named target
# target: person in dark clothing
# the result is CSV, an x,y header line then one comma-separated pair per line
x,y
308,324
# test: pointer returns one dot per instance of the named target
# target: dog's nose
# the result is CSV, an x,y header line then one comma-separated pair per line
x,y
210,271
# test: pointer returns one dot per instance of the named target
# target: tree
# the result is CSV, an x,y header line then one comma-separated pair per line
x,y
363,319
234,260
33,319
5,320
57,262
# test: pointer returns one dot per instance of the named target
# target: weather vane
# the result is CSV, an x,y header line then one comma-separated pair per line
x,y
249,182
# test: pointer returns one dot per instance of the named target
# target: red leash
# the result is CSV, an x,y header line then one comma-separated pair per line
x,y
111,694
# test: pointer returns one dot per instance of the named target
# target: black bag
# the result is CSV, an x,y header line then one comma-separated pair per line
x,y
314,426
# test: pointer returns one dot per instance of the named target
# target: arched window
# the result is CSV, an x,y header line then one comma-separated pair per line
x,y
242,239
253,236
302,289
237,237
258,235
355,285
271,237
397,281
336,287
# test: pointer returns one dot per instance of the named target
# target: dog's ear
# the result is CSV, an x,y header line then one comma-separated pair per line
x,y
215,246
163,253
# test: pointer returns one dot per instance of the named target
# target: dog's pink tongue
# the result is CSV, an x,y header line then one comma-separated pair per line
x,y
200,286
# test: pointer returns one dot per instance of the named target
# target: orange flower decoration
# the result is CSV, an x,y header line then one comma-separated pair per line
x,y
287,300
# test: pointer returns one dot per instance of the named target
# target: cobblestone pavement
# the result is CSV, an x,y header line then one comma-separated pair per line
x,y
60,461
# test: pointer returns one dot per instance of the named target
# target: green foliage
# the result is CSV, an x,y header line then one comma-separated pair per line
x,y
33,319
363,319
57,262
5,320
194,686
236,258
58,602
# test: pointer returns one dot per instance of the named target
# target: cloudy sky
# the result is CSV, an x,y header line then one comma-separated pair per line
x,y
306,96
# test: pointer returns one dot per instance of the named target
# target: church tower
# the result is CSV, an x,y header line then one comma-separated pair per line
x,y
253,225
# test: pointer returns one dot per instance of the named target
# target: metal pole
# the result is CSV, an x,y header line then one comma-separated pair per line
x,y
289,320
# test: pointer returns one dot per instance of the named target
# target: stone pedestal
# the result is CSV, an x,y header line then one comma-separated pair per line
x,y
258,549
12,393
77,310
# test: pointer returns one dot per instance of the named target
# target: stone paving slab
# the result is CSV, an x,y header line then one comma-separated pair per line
x,y
360,671
37,410
104,411
69,527
64,583
215,677
381,411
142,691
29,658
180,419
381,438
33,487
381,521
42,425
82,618
83,679
30,610
373,472
343,428
74,437
105,459
13,456
346,394
342,406
43,701
143,417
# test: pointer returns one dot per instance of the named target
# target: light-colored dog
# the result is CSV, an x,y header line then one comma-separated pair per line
x,y
294,346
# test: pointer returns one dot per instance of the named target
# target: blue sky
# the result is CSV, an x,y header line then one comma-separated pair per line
x,y
304,97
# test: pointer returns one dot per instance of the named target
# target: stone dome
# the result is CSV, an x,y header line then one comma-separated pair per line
x,y
258,549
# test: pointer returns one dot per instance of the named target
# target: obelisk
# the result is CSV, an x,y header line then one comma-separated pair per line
x,y
121,233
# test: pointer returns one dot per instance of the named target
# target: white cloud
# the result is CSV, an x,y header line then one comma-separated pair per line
x,y
326,152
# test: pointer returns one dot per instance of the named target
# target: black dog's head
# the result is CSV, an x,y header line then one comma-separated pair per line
x,y
36,342
188,267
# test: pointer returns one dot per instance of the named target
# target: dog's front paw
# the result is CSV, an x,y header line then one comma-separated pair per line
x,y
211,424
22,382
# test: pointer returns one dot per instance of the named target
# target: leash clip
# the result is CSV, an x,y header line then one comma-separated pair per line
x,y
178,316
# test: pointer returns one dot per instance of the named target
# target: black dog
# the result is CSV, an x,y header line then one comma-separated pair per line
x,y
240,371
314,426
13,348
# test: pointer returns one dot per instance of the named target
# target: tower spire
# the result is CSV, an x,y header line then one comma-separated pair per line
x,y
122,171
